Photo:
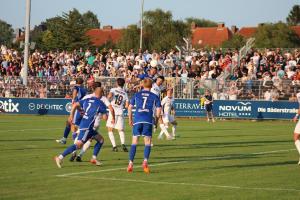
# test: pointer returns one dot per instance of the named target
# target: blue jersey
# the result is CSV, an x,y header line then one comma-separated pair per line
x,y
81,92
91,106
144,101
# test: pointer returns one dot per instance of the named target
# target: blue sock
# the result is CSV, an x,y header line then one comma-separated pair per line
x,y
67,131
97,148
132,152
74,135
69,150
147,151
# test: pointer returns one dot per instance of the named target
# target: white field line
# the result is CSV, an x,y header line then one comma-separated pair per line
x,y
33,129
187,184
177,162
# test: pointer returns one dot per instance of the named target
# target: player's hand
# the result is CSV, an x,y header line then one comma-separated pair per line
x,y
295,119
70,119
130,123
113,121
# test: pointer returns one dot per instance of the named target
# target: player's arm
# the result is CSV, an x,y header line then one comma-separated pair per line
x,y
158,107
126,105
132,103
110,96
297,115
76,106
112,111
74,94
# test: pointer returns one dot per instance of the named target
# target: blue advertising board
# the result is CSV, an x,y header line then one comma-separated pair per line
x,y
183,107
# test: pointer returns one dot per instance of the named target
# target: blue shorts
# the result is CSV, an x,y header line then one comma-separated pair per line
x,y
86,134
77,118
142,129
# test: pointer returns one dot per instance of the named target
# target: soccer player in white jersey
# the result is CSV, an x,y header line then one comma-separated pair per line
x,y
119,101
297,129
157,89
168,113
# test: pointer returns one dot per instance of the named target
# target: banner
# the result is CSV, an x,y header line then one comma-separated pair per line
x,y
183,107
36,106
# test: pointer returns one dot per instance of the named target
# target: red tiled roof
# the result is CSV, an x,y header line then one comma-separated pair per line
x,y
101,36
210,36
296,29
247,32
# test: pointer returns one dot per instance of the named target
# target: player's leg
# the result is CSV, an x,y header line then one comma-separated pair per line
x,y
174,126
84,148
67,130
120,127
163,128
136,133
111,136
147,133
297,138
97,148
82,138
165,121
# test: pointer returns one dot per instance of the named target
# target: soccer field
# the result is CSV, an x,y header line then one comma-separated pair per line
x,y
224,160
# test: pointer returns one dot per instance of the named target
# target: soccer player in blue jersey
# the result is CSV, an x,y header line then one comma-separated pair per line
x,y
78,93
144,102
91,107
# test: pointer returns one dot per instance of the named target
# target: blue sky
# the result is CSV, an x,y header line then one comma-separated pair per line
x,y
121,13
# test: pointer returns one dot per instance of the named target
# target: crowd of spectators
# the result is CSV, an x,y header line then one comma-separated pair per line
x,y
270,74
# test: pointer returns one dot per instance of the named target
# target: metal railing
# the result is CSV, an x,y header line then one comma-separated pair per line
x,y
184,88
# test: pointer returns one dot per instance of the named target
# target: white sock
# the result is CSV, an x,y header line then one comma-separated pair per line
x,y
61,157
112,138
161,134
94,157
85,147
122,137
297,144
164,130
174,130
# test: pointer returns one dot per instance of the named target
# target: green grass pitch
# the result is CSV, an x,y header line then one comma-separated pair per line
x,y
224,160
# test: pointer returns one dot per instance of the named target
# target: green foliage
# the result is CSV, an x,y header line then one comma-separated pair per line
x,y
161,31
201,22
130,38
6,33
294,16
66,31
276,35
237,41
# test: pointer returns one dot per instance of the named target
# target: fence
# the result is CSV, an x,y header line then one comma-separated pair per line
x,y
184,88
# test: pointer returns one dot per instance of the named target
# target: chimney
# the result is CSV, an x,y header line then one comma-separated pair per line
x,y
193,25
234,29
107,27
221,25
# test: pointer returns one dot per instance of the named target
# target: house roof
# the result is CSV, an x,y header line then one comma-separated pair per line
x,y
210,36
247,32
101,36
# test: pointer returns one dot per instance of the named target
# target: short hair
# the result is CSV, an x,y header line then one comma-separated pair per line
x,y
79,80
121,82
97,84
161,77
147,83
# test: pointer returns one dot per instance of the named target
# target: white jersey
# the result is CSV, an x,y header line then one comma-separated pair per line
x,y
103,98
167,104
120,97
156,89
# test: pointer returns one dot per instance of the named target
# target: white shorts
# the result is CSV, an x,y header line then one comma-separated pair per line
x,y
119,122
168,118
97,121
297,128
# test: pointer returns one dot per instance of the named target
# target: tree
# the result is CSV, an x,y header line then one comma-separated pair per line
x,y
237,41
201,22
90,20
130,38
276,35
294,16
6,33
161,32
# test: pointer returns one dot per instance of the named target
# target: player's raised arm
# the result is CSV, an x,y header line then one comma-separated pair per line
x,y
132,103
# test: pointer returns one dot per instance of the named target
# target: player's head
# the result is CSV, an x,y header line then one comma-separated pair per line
x,y
120,82
170,92
147,83
153,71
160,80
79,81
207,92
98,90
